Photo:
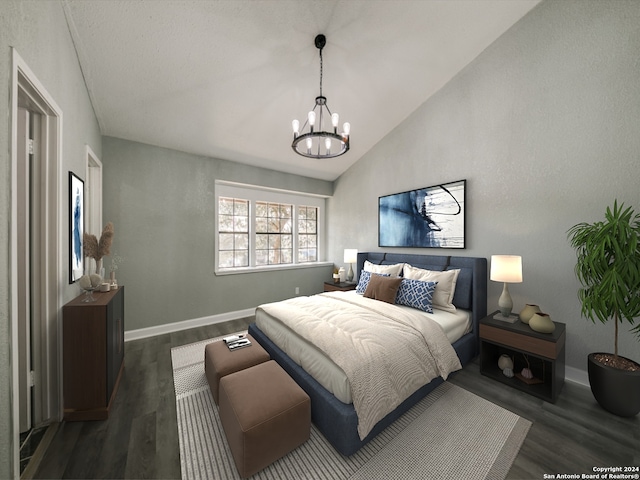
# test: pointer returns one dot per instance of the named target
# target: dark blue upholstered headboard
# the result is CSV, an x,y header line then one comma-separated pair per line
x,y
471,287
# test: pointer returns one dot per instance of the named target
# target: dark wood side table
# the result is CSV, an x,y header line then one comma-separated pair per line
x,y
93,354
338,287
542,353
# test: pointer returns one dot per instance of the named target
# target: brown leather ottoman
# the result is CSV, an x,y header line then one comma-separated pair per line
x,y
265,415
220,361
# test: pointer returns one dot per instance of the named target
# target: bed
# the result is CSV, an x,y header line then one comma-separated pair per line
x,y
334,416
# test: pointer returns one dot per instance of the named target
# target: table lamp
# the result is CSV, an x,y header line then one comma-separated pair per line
x,y
507,269
350,257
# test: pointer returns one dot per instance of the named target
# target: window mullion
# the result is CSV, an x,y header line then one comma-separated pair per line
x,y
252,233
294,233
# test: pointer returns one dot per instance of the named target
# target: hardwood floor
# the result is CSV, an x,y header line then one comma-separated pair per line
x,y
572,436
140,439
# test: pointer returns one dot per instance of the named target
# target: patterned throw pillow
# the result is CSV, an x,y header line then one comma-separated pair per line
x,y
443,297
364,279
416,294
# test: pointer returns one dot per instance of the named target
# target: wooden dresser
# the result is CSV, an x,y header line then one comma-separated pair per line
x,y
93,354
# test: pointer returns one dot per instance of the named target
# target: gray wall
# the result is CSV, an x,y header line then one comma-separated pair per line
x,y
162,203
544,127
39,32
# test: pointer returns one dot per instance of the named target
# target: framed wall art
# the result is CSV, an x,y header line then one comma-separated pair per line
x,y
76,227
431,217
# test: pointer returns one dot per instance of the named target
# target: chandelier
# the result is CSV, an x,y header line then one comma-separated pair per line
x,y
316,142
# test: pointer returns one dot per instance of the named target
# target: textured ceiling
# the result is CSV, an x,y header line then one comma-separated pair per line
x,y
225,78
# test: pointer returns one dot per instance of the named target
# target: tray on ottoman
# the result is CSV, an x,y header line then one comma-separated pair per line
x,y
220,361
265,415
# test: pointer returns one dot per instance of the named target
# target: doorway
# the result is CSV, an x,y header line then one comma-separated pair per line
x,y
93,194
36,274
28,206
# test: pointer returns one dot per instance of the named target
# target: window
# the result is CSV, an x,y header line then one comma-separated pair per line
x,y
274,233
233,232
265,229
307,234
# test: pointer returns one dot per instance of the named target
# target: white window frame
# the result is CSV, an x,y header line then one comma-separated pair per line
x,y
255,194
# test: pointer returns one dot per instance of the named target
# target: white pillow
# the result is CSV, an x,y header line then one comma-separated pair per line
x,y
391,270
443,296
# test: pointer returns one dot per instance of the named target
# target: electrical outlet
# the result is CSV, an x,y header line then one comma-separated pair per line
x,y
297,290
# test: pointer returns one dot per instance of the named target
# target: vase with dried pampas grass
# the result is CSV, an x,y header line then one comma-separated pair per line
x,y
97,249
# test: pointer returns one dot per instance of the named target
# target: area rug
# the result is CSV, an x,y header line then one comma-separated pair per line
x,y
451,433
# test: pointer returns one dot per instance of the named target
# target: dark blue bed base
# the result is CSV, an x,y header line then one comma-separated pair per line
x,y
338,421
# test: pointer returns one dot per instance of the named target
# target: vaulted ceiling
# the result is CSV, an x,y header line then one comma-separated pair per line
x,y
224,78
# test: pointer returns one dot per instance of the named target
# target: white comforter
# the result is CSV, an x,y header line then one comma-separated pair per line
x,y
386,352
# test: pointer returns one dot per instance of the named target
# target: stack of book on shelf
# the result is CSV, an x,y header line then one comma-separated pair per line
x,y
235,342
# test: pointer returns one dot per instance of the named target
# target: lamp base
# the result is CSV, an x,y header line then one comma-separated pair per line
x,y
350,274
513,318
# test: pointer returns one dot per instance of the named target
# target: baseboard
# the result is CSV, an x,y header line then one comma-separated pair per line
x,y
186,324
39,453
576,375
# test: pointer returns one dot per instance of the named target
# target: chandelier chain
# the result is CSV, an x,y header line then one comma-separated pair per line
x,y
320,72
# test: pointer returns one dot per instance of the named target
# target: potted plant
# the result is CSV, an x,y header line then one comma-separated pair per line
x,y
608,267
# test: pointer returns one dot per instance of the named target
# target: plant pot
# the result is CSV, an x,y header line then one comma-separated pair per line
x,y
616,390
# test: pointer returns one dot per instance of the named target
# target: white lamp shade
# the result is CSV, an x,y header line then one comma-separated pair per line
x,y
350,255
506,268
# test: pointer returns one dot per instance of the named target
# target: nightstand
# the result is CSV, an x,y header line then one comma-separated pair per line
x,y
543,351
339,287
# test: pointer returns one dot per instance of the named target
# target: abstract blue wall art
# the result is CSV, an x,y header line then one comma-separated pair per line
x,y
76,227
431,217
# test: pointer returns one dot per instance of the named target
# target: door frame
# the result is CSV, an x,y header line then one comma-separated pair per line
x,y
93,193
24,255
27,90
